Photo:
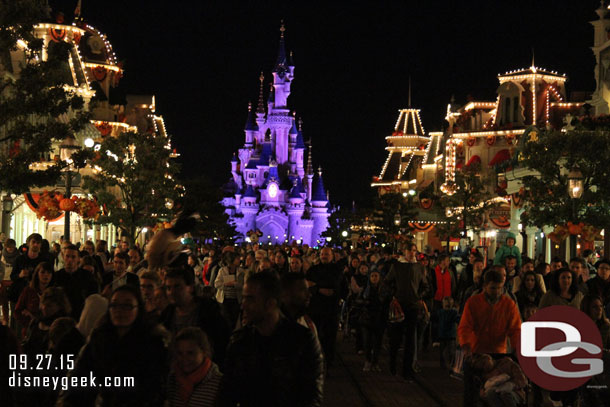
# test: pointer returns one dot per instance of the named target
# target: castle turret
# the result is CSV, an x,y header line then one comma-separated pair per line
x,y
292,136
251,128
309,174
295,210
260,108
283,74
299,151
319,213
234,167
278,114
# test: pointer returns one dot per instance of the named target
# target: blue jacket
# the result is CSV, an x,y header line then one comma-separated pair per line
x,y
447,323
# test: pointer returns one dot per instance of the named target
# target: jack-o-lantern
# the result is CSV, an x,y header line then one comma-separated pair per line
x,y
66,204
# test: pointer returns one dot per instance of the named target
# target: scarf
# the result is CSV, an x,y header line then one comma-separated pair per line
x,y
187,381
10,258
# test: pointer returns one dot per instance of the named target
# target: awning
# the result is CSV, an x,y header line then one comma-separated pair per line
x,y
475,159
500,157
421,226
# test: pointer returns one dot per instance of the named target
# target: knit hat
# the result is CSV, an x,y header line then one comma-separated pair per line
x,y
511,235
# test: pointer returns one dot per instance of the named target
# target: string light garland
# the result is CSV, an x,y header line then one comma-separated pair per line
x,y
99,65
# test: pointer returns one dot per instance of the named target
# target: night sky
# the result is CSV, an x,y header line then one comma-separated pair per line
x,y
353,61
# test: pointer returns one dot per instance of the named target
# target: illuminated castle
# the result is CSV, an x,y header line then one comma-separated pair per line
x,y
271,190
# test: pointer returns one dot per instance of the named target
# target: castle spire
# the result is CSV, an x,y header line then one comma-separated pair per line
x,y
250,123
261,100
309,160
281,63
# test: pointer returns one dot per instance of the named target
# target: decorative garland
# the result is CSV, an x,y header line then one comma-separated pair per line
x,y
104,128
561,232
99,73
52,204
57,35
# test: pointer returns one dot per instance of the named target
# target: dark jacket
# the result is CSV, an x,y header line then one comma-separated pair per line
x,y
406,282
284,369
209,319
23,262
78,286
141,353
599,287
375,307
325,276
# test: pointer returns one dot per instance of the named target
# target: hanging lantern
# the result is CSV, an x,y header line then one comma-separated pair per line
x,y
575,183
397,219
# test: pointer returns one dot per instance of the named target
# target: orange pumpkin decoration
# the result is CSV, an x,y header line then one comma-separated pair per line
x,y
66,205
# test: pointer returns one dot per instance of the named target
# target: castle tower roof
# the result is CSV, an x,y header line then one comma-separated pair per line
x,y
293,129
250,122
295,192
250,193
319,193
300,141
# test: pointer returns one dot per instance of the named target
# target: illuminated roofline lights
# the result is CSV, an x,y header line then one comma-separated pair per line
x,y
488,133
106,66
60,27
480,105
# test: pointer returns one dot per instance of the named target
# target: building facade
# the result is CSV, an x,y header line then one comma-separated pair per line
x,y
92,71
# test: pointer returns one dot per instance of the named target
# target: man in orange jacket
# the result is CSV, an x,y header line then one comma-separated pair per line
x,y
488,320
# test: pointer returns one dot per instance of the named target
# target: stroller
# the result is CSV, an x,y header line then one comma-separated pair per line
x,y
474,381
353,310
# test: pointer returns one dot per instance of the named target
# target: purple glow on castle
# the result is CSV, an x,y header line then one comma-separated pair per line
x,y
271,190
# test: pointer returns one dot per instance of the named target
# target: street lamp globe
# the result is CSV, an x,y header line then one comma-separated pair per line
x,y
575,183
397,219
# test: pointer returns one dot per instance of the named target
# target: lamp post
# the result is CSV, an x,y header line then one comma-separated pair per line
x,y
7,208
66,149
575,190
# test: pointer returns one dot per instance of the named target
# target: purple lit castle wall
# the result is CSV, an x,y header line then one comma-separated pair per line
x,y
271,190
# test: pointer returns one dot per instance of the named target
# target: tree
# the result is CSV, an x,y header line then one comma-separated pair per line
x,y
467,207
550,155
393,211
133,180
205,199
345,220
37,107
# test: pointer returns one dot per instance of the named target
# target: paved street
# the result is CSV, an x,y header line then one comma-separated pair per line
x,y
348,385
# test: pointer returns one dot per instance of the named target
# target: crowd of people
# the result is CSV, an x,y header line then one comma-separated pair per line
x,y
253,325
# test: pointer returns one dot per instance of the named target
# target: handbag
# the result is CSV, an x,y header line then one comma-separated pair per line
x,y
395,314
